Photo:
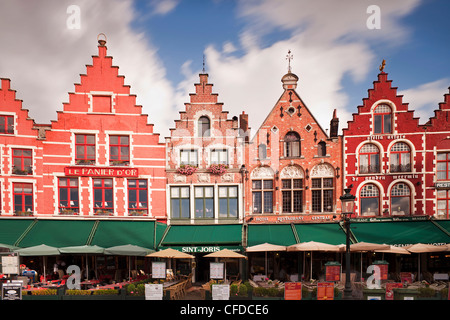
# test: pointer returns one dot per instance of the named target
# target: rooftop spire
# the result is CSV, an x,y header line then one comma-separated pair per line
x,y
203,70
289,57
101,38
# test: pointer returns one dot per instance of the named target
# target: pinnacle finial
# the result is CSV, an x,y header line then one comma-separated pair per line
x,y
289,57
203,70
101,38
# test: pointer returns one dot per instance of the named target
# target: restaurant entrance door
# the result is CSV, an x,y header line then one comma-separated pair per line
x,y
202,267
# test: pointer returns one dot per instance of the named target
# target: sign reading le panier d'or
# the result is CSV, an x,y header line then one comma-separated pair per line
x,y
101,172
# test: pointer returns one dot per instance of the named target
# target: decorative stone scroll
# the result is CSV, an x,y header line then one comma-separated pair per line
x,y
179,178
291,171
262,173
322,170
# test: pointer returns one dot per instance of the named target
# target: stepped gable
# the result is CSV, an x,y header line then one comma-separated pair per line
x,y
11,106
382,91
440,120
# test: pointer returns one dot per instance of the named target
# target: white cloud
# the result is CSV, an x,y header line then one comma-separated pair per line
x,y
163,7
329,40
43,58
424,99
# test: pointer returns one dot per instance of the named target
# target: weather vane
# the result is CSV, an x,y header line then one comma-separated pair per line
x,y
289,57
383,64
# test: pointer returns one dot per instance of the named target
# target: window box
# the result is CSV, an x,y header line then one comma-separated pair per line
x,y
218,169
68,212
84,162
119,163
187,169
23,213
101,212
25,172
137,212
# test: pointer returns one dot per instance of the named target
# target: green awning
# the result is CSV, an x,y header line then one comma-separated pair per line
x,y
12,230
330,233
279,234
399,232
58,233
116,233
195,235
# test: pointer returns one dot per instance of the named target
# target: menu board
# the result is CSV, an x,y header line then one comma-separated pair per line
x,y
220,292
153,291
216,270
333,273
383,271
293,291
390,289
325,291
158,270
10,265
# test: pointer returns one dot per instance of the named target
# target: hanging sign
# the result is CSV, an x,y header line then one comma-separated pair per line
x,y
101,172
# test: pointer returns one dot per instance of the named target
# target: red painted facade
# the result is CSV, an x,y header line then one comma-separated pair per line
x,y
390,159
294,167
204,160
99,158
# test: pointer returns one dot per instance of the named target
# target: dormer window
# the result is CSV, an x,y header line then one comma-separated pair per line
x,y
292,144
382,119
204,126
6,124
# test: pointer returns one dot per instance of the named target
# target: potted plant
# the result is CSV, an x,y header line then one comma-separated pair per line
x,y
187,169
218,169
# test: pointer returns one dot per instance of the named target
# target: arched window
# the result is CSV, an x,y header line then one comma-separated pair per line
x,y
369,159
401,199
204,126
292,144
370,200
322,149
400,159
382,119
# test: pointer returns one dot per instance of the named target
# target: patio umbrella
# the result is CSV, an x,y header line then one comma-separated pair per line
x,y
367,246
129,250
423,248
83,250
394,249
7,247
314,246
265,247
171,254
39,250
226,254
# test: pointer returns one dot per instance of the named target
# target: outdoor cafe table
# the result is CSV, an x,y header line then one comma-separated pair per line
x,y
87,283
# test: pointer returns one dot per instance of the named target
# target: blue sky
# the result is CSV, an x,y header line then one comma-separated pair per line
x,y
159,48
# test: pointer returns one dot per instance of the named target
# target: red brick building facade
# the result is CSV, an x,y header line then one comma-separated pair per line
x,y
396,166
99,158
204,156
294,167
